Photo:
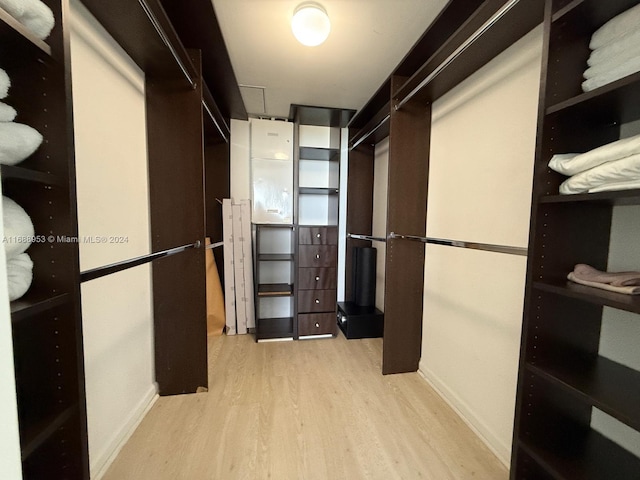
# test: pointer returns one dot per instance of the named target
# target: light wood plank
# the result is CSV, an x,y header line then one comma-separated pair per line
x,y
314,409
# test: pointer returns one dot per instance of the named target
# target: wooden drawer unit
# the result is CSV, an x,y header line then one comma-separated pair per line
x,y
318,256
317,278
318,236
316,324
316,301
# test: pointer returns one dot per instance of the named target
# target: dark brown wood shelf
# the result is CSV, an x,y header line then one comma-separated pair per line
x,y
617,101
34,303
318,191
269,328
8,24
630,303
275,257
566,9
619,197
600,382
19,173
275,290
326,154
36,435
587,457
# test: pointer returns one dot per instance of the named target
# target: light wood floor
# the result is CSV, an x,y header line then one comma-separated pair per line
x,y
316,409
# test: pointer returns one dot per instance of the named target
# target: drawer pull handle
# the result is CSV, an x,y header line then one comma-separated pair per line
x,y
317,235
317,325
317,300
317,278
317,255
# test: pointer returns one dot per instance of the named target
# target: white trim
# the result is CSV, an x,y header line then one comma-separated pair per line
x,y
500,450
102,462
283,339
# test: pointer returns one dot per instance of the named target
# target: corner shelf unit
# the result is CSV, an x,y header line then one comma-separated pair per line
x,y
46,321
563,376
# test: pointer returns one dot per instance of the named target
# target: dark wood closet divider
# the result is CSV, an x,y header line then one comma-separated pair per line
x,y
409,137
176,197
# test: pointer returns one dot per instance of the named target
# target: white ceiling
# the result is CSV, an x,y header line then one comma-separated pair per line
x,y
368,40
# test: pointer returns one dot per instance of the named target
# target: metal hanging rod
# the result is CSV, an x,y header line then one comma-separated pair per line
x,y
462,244
165,40
206,107
357,236
98,272
370,132
214,245
458,51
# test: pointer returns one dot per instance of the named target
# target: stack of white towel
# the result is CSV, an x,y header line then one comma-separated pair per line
x,y
17,141
620,282
33,14
615,50
615,166
18,232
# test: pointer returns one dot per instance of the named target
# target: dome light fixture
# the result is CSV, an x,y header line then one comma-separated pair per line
x,y
310,24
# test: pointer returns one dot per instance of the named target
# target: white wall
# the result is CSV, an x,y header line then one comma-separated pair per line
x,y
379,220
112,188
240,171
10,467
481,164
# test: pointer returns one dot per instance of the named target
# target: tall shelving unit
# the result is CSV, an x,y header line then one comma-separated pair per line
x,y
46,321
563,376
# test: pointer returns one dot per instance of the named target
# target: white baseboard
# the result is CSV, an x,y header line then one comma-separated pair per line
x,y
500,450
101,463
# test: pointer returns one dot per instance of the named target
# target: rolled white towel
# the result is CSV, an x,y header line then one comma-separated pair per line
x,y
613,61
17,142
33,14
571,163
624,43
624,170
627,21
19,275
5,83
18,228
7,113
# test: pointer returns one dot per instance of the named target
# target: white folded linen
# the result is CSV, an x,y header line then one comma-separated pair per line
x,y
586,272
616,186
19,275
17,142
626,169
33,14
620,71
605,286
18,228
612,62
571,163
5,83
626,43
7,113
618,26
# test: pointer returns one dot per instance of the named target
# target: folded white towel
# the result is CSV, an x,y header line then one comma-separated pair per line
x,y
613,61
626,22
624,170
620,71
17,142
19,275
5,83
571,163
616,186
605,286
622,44
7,113
33,14
18,228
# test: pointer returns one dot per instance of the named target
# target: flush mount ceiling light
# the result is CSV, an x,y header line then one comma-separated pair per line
x,y
310,24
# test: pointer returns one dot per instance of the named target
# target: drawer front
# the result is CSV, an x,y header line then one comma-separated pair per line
x,y
316,301
317,278
316,324
318,256
318,236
